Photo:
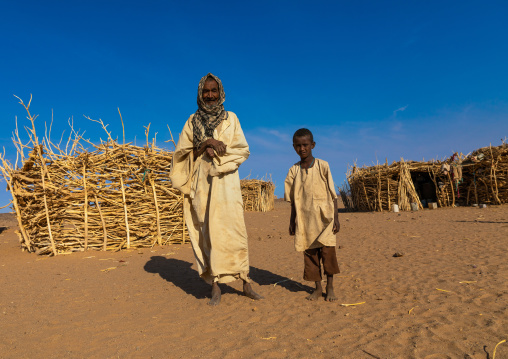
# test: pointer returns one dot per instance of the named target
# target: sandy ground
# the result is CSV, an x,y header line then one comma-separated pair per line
x,y
446,297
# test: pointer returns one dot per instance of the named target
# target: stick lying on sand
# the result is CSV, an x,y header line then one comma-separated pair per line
x,y
494,354
444,290
282,281
350,305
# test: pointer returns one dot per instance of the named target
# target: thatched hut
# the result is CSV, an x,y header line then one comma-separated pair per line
x,y
480,177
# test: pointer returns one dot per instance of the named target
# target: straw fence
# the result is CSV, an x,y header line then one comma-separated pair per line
x,y
485,175
115,196
483,179
257,195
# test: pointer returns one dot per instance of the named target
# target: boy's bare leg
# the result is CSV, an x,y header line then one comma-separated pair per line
x,y
216,294
249,292
330,294
318,292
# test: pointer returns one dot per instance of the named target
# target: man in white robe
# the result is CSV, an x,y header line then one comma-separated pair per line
x,y
205,165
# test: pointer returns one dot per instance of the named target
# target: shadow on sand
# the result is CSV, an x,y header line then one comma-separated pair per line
x,y
181,274
345,210
264,277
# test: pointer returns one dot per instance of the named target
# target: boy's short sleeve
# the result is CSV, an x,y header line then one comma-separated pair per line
x,y
289,192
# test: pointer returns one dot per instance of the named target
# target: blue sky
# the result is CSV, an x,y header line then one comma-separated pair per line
x,y
371,79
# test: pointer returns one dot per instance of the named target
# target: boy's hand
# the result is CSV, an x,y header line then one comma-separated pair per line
x,y
292,220
292,228
336,225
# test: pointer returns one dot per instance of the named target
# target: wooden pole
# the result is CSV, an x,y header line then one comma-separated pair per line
x,y
453,191
438,194
104,230
366,196
475,191
493,175
85,208
159,236
125,213
388,190
53,248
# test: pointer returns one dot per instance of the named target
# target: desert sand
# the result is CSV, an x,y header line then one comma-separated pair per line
x,y
445,297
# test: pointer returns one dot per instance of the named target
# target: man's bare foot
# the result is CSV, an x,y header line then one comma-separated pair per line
x,y
249,292
216,295
330,294
318,292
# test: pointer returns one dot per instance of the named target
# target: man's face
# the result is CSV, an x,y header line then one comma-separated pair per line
x,y
303,146
211,92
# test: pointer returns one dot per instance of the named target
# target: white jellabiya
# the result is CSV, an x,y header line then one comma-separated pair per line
x,y
213,207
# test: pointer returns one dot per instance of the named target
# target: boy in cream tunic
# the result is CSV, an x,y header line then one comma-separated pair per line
x,y
314,217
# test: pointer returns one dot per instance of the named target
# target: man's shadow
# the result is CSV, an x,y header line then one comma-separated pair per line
x,y
187,279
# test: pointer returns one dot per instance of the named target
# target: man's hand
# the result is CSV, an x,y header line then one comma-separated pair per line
x,y
209,152
218,146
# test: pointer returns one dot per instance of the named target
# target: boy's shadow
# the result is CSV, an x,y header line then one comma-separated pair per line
x,y
183,276
264,277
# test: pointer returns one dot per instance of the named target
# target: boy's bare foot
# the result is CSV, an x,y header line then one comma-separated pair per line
x,y
330,294
318,292
216,295
249,292
315,295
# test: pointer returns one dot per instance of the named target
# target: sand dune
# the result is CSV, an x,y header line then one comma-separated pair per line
x,y
445,297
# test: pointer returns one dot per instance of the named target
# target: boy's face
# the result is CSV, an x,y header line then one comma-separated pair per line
x,y
303,146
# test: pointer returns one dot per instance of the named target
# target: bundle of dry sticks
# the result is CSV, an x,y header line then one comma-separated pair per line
x,y
377,188
484,179
485,175
258,195
112,197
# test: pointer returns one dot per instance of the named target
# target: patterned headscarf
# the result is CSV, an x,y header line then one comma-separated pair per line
x,y
206,118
